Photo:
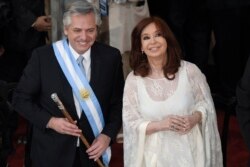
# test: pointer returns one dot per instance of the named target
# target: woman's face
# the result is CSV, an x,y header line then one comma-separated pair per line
x,y
154,45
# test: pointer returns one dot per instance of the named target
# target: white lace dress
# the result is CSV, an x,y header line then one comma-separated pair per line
x,y
147,100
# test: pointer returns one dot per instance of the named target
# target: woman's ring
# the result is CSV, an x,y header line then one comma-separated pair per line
x,y
173,127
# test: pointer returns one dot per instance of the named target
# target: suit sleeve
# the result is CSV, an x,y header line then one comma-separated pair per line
x,y
114,116
243,104
27,94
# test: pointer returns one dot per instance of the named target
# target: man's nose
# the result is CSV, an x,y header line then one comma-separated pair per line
x,y
84,35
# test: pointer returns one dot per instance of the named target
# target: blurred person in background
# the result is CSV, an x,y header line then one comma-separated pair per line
x,y
26,30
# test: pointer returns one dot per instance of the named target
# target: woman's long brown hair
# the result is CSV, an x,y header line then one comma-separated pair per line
x,y
138,60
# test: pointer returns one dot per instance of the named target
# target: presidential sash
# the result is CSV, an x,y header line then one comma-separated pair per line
x,y
82,90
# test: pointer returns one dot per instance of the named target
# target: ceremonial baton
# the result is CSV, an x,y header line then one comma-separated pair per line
x,y
60,105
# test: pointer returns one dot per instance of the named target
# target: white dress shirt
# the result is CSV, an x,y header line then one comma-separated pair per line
x,y
86,63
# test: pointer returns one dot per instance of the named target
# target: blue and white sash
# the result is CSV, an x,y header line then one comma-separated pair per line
x,y
82,90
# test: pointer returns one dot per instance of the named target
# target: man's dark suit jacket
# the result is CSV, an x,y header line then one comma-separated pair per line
x,y
42,77
243,104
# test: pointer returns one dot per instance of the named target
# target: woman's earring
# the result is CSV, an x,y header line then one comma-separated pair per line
x,y
142,52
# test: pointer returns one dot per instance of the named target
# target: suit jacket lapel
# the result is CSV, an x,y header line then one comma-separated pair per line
x,y
95,66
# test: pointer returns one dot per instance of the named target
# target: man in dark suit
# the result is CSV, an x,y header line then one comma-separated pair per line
x,y
27,29
243,105
92,97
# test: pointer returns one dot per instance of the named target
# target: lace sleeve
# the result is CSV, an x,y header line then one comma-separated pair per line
x,y
134,127
131,116
201,90
204,104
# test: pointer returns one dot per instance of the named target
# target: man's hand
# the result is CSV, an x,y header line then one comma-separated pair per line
x,y
99,145
42,23
1,50
63,126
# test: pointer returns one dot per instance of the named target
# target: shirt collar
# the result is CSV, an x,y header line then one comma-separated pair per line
x,y
86,55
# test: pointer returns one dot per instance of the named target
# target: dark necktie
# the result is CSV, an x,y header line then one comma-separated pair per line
x,y
104,7
80,63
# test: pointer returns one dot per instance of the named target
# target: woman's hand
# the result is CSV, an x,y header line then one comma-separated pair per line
x,y
173,123
180,124
190,121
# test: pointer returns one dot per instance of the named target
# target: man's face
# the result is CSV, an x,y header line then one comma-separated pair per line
x,y
81,32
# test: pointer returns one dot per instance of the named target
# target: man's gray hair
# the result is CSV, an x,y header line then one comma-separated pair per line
x,y
80,7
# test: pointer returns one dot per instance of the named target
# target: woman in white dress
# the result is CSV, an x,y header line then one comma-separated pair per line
x,y
169,118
